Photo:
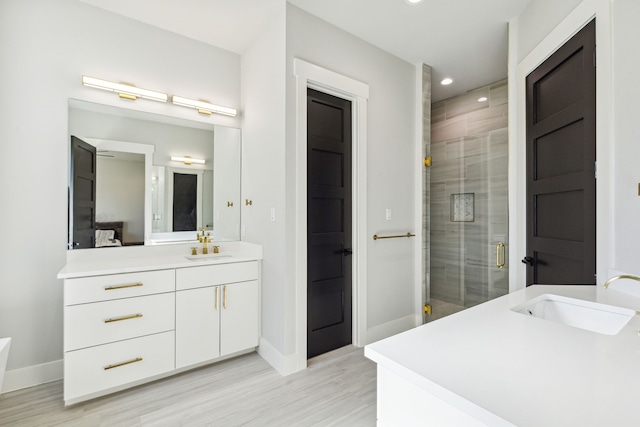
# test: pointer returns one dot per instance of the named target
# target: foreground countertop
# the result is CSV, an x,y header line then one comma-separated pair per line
x,y
504,367
96,262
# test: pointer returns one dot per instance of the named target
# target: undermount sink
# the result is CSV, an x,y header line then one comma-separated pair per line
x,y
206,257
591,316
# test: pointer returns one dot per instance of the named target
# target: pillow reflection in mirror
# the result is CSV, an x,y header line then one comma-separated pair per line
x,y
106,238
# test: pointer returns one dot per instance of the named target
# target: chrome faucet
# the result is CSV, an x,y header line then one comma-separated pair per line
x,y
622,276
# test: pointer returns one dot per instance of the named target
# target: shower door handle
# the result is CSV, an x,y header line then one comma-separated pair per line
x,y
500,255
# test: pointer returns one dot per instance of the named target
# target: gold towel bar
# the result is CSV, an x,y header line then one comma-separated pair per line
x,y
376,237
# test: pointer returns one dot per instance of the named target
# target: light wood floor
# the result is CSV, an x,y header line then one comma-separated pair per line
x,y
338,389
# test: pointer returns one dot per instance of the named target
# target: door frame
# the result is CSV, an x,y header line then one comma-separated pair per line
x,y
315,77
136,148
571,25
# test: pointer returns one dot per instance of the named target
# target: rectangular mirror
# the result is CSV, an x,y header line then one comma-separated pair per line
x,y
143,196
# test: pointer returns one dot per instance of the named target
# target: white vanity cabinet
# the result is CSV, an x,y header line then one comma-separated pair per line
x,y
217,309
124,327
118,329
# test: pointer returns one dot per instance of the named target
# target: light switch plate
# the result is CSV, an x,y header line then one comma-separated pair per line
x,y
388,214
273,214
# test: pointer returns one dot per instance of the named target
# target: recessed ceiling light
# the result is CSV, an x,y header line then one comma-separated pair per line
x,y
413,1
482,99
446,81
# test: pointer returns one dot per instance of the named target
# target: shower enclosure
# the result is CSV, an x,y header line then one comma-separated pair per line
x,y
467,196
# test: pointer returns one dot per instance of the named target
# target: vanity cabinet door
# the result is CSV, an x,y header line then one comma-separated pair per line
x,y
197,325
239,317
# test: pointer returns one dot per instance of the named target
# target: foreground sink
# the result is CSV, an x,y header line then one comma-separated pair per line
x,y
206,257
592,316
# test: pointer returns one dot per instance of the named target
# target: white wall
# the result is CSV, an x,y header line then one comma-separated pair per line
x,y
391,141
626,148
537,20
263,179
120,190
46,46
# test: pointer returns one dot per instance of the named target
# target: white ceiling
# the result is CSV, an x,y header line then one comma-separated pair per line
x,y
462,39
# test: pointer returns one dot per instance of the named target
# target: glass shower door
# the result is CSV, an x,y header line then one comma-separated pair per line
x,y
468,226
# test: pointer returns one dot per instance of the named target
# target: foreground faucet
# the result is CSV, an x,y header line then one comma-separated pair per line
x,y
622,276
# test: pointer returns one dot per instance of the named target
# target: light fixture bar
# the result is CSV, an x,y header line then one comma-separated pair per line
x,y
124,90
203,107
187,160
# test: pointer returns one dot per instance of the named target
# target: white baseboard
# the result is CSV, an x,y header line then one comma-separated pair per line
x,y
32,375
388,329
285,365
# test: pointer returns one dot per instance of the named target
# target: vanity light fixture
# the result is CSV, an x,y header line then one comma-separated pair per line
x,y
446,81
187,160
203,107
125,91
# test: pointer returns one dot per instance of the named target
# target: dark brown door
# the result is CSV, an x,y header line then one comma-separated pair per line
x,y
185,198
561,155
82,197
328,223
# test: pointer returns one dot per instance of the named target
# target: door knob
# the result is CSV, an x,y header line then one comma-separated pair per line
x,y
528,260
347,252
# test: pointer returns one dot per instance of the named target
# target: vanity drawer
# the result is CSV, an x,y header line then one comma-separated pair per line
x,y
114,286
95,369
104,322
212,275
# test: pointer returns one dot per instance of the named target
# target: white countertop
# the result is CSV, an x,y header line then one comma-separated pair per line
x,y
102,261
499,365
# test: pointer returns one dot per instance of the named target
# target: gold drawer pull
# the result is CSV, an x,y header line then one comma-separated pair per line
x,y
117,365
133,285
217,297
117,319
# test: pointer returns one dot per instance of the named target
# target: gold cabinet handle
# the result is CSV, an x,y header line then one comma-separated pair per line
x,y
117,319
229,204
117,365
217,297
224,296
500,255
133,285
